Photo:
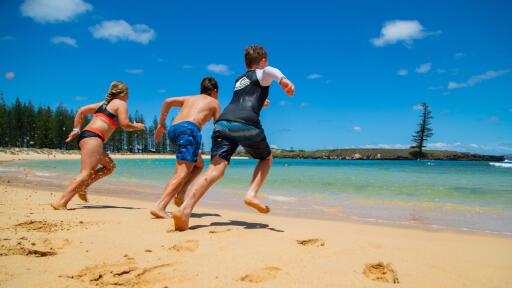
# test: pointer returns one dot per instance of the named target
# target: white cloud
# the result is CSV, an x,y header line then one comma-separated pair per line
x,y
459,55
357,129
386,146
401,31
221,69
52,11
417,107
443,146
440,71
474,145
314,76
9,75
273,146
424,68
435,87
161,91
80,98
402,72
494,119
135,71
477,79
119,30
64,40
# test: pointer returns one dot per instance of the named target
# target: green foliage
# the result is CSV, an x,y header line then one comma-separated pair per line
x,y
24,126
424,131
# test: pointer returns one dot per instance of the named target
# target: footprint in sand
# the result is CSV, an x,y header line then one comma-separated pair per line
x,y
41,247
311,242
186,246
261,275
124,274
381,272
47,226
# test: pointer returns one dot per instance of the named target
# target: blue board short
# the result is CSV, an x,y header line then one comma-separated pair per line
x,y
186,136
228,135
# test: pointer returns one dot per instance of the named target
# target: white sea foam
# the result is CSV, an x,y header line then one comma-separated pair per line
x,y
44,174
502,164
281,198
9,169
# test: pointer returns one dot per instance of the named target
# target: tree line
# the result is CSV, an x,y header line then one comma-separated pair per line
x,y
25,126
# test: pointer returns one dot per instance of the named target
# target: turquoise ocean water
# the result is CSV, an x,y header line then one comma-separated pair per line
x,y
456,194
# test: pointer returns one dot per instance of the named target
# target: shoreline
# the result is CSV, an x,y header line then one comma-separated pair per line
x,y
84,247
149,193
15,154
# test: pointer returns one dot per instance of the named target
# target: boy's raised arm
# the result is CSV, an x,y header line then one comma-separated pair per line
x,y
168,103
287,86
273,74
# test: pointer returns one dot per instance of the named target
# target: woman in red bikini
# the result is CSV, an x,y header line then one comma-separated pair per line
x,y
91,141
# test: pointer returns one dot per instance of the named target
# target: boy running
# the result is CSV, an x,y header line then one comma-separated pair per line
x,y
238,125
185,134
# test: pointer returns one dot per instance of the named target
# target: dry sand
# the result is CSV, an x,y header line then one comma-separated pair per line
x,y
113,242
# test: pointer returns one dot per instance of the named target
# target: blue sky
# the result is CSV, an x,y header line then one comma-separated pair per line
x,y
360,68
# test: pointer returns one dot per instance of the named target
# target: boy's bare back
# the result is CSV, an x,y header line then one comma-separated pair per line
x,y
198,109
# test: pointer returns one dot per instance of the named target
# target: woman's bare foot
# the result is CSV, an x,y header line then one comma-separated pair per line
x,y
159,213
253,202
82,195
58,206
180,220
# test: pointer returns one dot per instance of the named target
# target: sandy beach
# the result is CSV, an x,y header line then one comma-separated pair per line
x,y
114,242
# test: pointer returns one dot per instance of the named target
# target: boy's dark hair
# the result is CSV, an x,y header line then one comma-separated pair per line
x,y
208,85
253,55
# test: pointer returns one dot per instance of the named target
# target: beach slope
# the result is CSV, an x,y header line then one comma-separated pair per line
x,y
114,242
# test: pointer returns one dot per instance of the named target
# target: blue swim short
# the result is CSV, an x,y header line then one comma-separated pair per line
x,y
228,135
186,136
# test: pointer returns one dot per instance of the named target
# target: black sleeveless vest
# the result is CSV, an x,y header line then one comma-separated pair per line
x,y
247,102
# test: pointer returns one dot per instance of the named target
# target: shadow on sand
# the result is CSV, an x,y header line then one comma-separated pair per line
x,y
201,215
243,224
88,206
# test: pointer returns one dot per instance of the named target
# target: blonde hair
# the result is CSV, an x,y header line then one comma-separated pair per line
x,y
116,88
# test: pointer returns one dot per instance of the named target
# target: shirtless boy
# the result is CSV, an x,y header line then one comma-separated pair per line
x,y
185,134
238,125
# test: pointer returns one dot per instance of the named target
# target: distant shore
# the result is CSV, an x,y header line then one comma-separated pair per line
x,y
10,154
381,154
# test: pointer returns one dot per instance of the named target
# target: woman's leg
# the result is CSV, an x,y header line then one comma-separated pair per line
x,y
107,167
91,150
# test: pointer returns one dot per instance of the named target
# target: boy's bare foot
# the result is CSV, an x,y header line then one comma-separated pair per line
x,y
253,202
82,195
161,214
178,199
58,206
180,220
